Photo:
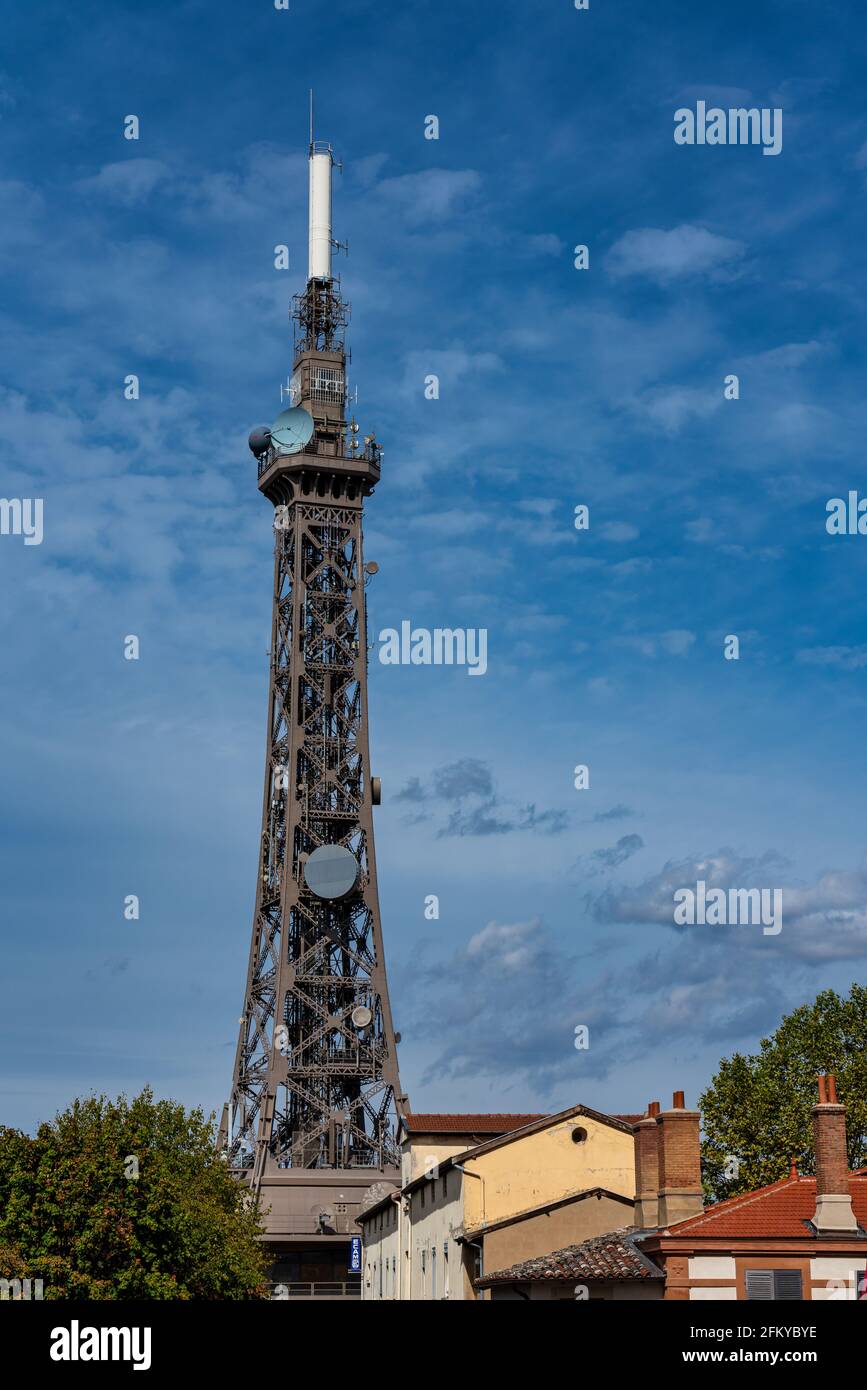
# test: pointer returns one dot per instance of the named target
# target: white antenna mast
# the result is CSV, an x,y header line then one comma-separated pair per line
x,y
320,243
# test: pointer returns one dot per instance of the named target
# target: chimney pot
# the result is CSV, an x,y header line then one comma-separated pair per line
x,y
653,1109
832,1089
678,1101
823,1095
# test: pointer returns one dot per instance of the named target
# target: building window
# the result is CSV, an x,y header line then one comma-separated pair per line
x,y
779,1285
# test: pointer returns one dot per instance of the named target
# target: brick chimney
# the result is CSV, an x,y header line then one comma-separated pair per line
x,y
833,1195
679,1159
646,1170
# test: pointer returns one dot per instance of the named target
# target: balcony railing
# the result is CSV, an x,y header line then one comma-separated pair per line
x,y
283,1292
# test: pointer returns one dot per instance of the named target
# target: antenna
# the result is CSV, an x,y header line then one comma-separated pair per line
x,y
320,240
320,243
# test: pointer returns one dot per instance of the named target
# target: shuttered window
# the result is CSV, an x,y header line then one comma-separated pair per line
x,y
779,1285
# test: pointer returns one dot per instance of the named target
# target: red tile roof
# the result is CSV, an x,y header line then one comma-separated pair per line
x,y
612,1256
483,1124
467,1124
778,1210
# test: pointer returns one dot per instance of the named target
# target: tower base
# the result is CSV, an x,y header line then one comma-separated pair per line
x,y
310,1216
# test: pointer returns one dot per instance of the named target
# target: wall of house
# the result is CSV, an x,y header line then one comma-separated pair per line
x,y
547,1165
380,1235
422,1154
433,1260
565,1225
838,1277
718,1277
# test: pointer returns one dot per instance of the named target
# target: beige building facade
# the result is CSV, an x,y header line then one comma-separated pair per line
x,y
464,1207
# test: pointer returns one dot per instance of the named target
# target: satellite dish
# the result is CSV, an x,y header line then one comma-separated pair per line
x,y
292,429
260,440
331,871
361,1017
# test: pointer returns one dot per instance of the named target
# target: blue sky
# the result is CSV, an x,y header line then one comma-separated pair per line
x,y
558,387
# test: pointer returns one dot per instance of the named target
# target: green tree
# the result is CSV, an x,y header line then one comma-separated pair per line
x,y
123,1200
757,1109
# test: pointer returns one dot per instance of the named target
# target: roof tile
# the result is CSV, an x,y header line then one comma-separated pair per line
x,y
467,1124
612,1256
781,1209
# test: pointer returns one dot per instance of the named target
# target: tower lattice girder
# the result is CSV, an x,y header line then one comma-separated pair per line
x,y
315,1093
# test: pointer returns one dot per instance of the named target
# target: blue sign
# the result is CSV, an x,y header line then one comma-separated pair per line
x,y
355,1255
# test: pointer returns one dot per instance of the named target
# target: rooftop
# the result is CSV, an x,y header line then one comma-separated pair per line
x,y
784,1208
466,1124
494,1124
610,1257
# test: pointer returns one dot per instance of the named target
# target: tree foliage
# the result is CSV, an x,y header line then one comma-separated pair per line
x,y
756,1110
73,1213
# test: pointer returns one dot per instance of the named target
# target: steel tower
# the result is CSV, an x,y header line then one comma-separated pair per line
x,y
311,1122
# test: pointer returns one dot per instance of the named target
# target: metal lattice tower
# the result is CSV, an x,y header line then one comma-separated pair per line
x,y
311,1122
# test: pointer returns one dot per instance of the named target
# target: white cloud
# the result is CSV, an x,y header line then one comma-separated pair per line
x,y
508,946
825,921
843,658
544,244
677,641
672,407
128,181
679,253
433,195
619,531
788,356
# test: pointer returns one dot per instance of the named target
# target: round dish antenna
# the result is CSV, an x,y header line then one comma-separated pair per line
x,y
331,871
291,430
